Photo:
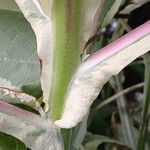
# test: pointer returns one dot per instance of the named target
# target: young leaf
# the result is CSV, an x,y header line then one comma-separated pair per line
x,y
16,97
96,70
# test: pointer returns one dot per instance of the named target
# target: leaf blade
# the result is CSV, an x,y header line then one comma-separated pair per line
x,y
18,59
36,132
8,142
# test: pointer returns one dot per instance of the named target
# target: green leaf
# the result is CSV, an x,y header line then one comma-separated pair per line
x,y
34,90
93,141
8,142
9,5
104,15
107,10
78,134
20,99
133,4
127,124
146,106
18,60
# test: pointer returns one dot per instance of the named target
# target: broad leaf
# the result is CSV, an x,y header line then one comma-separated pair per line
x,y
42,26
19,64
9,5
37,133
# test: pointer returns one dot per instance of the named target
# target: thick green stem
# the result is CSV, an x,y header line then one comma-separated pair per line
x,y
66,135
66,55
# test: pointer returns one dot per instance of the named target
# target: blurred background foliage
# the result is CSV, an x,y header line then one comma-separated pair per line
x,y
111,119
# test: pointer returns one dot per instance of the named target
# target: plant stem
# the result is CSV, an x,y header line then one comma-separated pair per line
x,y
124,116
66,136
66,53
146,105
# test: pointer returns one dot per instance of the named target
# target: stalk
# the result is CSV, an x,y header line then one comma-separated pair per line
x,y
125,118
116,96
146,105
66,25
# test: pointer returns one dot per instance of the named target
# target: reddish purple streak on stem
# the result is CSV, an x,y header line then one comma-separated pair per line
x,y
117,45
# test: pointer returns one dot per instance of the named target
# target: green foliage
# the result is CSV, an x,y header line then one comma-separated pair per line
x,y
8,142
18,60
146,106
93,141
25,107
104,11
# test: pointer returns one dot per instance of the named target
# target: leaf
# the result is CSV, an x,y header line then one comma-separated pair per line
x,y
42,27
102,13
37,133
82,147
46,6
19,64
133,5
93,141
108,10
16,97
9,5
78,134
96,70
34,90
146,106
103,16
7,142
127,124
89,21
